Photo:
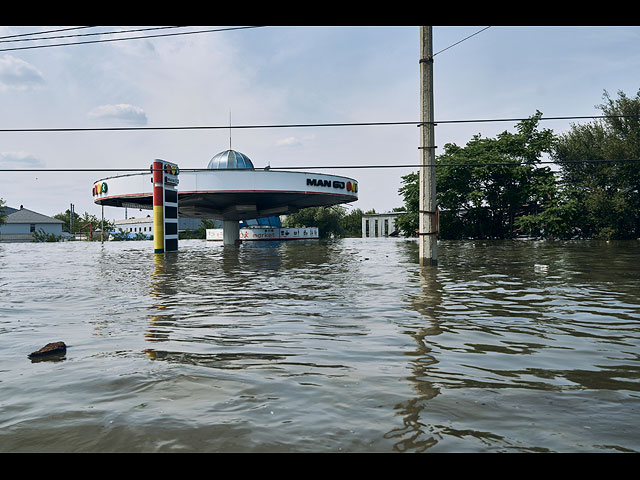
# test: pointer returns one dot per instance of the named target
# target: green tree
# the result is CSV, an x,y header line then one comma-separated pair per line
x,y
66,217
119,235
3,216
557,219
327,219
606,194
204,225
41,236
484,187
352,223
407,223
85,223
200,232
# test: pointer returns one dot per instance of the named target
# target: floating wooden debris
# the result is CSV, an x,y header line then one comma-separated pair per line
x,y
55,348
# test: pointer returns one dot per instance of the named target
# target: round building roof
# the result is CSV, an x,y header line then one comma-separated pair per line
x,y
230,159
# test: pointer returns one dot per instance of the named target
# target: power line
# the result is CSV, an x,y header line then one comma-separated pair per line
x,y
2,39
332,167
300,125
204,127
47,31
460,41
87,34
129,38
512,164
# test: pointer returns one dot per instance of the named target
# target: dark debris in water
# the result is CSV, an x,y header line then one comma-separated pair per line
x,y
51,351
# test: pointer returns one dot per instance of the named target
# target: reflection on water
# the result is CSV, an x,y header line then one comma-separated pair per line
x,y
343,345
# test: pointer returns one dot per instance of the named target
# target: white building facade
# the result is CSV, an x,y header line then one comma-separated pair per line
x,y
144,225
379,224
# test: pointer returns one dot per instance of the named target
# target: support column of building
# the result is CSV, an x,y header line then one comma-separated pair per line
x,y
392,224
364,227
230,232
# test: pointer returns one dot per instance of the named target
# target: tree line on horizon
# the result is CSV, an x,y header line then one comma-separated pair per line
x,y
497,188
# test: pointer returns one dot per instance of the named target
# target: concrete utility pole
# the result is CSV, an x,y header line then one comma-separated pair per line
x,y
428,209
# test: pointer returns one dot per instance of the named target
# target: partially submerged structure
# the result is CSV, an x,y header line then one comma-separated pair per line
x,y
230,189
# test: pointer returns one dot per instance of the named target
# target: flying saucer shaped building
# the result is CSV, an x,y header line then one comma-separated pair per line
x,y
231,189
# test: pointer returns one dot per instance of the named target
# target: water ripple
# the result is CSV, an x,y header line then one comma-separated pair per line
x,y
344,345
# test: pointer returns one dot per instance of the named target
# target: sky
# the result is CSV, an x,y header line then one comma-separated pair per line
x,y
277,75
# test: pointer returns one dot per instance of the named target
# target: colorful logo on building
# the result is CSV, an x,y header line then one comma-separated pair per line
x,y
171,169
336,184
100,188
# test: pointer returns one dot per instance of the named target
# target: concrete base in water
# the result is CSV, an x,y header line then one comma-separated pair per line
x,y
231,232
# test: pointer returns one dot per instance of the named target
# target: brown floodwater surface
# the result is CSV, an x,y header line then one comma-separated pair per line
x,y
321,346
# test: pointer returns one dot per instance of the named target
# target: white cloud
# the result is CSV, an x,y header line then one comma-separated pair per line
x,y
294,141
18,74
122,112
288,142
19,160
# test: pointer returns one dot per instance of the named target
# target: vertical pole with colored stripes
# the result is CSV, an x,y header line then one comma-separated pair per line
x,y
158,207
170,204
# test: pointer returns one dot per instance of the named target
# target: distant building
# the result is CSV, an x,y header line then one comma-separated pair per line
x,y
144,225
21,223
380,224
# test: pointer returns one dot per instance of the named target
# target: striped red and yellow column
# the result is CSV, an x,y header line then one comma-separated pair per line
x,y
158,207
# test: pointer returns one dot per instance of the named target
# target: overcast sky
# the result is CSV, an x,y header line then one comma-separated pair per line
x,y
285,75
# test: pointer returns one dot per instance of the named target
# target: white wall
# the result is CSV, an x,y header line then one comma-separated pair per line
x,y
22,228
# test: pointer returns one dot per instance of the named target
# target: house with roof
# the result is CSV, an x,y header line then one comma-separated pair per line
x,y
21,223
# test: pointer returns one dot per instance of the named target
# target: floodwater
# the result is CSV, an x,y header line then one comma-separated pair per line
x,y
321,346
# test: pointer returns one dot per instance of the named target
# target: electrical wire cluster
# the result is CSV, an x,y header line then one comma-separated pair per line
x,y
35,36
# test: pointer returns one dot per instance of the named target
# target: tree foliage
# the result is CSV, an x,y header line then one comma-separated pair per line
x,y
3,216
352,223
82,223
331,221
407,222
496,187
606,195
41,236
327,219
484,187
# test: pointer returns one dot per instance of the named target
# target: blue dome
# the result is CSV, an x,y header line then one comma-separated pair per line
x,y
230,159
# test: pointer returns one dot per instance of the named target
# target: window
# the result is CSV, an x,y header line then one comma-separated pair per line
x,y
32,227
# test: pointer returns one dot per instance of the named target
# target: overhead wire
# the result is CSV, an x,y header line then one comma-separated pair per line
x,y
297,125
460,41
301,125
115,32
332,167
43,32
104,40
